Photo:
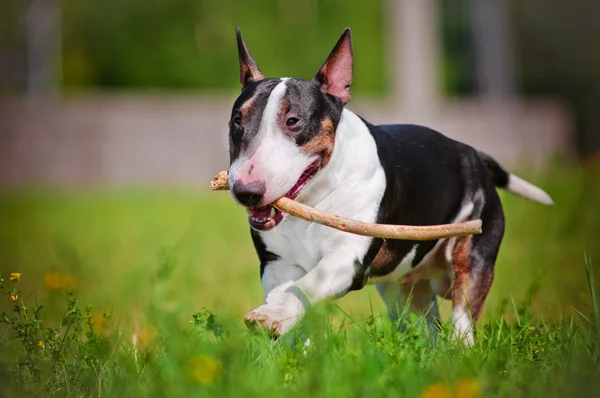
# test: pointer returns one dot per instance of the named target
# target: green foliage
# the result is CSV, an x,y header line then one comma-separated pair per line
x,y
205,321
54,359
191,43
524,357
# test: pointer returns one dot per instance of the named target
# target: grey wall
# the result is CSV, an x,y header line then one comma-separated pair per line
x,y
108,140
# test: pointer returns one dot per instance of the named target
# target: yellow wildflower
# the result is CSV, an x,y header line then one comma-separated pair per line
x,y
204,369
436,390
42,345
14,297
467,388
15,276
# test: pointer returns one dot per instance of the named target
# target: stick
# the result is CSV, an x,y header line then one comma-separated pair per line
x,y
385,231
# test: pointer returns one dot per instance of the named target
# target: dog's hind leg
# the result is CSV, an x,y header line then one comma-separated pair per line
x,y
417,298
473,260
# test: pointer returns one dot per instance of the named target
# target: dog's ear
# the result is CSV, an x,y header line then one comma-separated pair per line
x,y
249,72
335,76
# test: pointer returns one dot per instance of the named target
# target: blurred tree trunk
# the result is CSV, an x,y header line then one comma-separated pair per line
x,y
414,47
43,48
492,49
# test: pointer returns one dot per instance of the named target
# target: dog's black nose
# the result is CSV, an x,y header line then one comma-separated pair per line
x,y
249,195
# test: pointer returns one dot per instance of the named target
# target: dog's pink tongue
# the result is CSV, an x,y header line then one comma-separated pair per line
x,y
261,211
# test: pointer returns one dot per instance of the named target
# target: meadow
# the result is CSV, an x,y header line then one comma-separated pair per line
x,y
143,293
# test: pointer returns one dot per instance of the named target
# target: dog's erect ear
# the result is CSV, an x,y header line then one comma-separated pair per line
x,y
335,76
249,72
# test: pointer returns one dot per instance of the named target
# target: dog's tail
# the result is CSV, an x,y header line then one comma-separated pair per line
x,y
510,182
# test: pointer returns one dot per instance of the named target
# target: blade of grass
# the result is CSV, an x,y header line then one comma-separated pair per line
x,y
512,299
592,286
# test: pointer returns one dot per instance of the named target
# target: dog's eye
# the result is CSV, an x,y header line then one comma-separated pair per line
x,y
291,122
237,120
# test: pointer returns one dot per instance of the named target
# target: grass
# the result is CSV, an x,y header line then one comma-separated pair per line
x,y
151,262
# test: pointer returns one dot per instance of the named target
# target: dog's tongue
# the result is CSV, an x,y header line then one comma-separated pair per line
x,y
261,211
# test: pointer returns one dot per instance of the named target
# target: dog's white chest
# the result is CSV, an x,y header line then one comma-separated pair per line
x,y
297,242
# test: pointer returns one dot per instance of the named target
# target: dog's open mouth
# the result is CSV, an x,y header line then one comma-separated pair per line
x,y
268,217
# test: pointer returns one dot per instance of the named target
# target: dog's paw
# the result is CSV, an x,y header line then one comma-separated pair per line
x,y
256,320
275,319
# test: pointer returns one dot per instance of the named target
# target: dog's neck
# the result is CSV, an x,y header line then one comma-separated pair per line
x,y
350,163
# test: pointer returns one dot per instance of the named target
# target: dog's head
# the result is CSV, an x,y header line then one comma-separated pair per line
x,y
282,131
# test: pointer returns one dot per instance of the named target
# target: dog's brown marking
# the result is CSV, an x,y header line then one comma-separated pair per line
x,y
322,143
461,256
284,108
247,106
327,125
471,286
461,267
385,261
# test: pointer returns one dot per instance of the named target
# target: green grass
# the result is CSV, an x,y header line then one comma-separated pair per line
x,y
156,258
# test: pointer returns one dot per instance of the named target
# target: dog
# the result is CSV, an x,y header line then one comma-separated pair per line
x,y
296,138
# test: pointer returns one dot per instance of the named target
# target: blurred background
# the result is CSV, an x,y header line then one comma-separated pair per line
x,y
113,118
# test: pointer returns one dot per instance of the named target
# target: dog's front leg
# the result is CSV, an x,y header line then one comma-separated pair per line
x,y
281,308
287,298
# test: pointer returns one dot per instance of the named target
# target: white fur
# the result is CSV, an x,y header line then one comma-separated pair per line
x,y
276,159
520,187
352,185
463,327
281,306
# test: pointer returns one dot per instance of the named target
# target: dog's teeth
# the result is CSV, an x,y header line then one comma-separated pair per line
x,y
272,212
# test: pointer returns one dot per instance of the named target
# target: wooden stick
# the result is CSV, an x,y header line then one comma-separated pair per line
x,y
385,231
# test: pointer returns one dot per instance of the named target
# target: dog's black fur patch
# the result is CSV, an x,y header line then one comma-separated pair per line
x,y
428,178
